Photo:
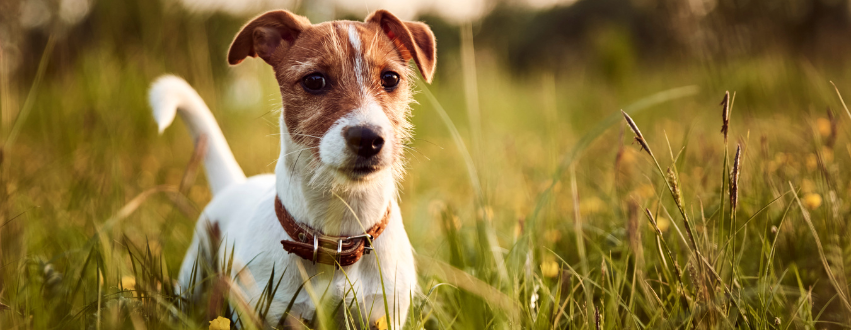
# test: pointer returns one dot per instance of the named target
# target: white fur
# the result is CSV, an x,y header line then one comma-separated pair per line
x,y
354,39
332,146
318,195
170,95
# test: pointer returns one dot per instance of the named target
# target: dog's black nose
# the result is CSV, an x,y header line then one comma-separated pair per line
x,y
364,141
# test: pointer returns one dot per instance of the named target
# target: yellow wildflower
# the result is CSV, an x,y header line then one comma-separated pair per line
x,y
591,205
663,224
824,127
381,324
220,323
552,236
812,201
549,268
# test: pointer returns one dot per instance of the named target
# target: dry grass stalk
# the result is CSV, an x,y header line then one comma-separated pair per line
x,y
696,280
725,115
734,179
841,100
633,233
675,186
843,296
598,319
831,139
664,244
727,291
194,163
655,296
680,289
638,136
237,298
458,278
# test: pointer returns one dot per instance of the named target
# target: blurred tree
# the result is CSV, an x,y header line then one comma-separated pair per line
x,y
668,29
523,37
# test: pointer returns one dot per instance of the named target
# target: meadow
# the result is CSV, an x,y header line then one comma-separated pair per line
x,y
528,199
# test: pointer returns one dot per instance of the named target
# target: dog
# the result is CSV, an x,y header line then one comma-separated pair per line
x,y
328,219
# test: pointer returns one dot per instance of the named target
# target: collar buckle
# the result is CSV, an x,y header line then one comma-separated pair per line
x,y
346,245
367,248
316,247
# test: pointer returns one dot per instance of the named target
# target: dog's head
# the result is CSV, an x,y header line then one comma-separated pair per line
x,y
345,85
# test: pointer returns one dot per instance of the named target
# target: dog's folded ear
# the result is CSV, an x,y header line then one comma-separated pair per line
x,y
268,36
413,40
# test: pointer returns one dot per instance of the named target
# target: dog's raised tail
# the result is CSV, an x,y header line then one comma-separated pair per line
x,y
170,95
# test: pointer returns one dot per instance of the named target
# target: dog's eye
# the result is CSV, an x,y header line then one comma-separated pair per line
x,y
389,79
313,83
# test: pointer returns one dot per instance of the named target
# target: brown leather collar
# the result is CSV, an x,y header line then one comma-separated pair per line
x,y
312,245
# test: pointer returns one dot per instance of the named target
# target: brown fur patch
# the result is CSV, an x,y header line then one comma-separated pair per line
x,y
386,44
326,49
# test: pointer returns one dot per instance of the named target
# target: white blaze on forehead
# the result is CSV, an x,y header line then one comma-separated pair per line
x,y
333,149
360,70
373,115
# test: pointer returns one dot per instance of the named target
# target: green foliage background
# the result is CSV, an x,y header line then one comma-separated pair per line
x,y
554,233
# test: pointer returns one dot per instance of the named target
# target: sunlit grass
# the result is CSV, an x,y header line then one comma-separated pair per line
x,y
554,218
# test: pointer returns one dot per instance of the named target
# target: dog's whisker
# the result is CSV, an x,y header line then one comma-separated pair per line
x,y
412,150
307,135
300,150
292,172
412,154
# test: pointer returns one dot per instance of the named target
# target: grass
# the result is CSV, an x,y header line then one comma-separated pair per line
x,y
529,203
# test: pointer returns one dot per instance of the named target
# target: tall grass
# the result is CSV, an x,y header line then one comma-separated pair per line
x,y
527,207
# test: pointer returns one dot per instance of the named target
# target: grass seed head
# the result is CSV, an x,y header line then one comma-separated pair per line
x,y
634,128
725,115
675,186
659,225
695,278
734,178
598,319
653,221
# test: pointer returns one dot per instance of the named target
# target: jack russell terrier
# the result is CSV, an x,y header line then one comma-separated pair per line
x,y
330,212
